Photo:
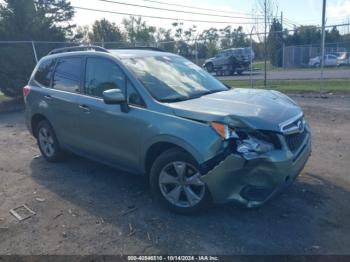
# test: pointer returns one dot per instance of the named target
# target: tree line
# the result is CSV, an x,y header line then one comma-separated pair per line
x,y
51,20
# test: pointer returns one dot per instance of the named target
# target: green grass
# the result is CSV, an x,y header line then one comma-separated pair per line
x,y
297,86
259,65
2,97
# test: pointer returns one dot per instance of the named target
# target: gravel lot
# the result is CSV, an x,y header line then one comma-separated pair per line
x,y
293,74
80,205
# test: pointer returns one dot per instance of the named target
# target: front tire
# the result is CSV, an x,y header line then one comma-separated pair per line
x,y
176,182
48,143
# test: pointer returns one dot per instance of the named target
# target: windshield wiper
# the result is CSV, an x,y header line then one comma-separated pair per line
x,y
172,100
179,99
205,93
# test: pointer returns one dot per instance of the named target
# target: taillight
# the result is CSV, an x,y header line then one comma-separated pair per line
x,y
26,91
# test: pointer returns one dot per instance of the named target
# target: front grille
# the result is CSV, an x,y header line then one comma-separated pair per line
x,y
294,141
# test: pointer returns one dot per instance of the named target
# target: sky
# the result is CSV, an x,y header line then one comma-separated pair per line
x,y
296,12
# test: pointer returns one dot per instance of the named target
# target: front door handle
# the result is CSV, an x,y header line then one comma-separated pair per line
x,y
85,108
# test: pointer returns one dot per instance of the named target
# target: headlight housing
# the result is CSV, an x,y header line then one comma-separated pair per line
x,y
252,146
248,144
224,130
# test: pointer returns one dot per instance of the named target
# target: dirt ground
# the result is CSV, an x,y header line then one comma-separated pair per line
x,y
82,207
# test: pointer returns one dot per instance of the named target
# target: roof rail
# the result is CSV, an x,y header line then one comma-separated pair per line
x,y
78,48
142,48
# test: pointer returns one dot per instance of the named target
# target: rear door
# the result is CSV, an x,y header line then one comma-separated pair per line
x,y
66,88
219,59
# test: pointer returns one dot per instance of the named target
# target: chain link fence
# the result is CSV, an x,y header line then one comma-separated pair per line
x,y
306,55
18,59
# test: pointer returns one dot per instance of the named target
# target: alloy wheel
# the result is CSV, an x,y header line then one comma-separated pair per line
x,y
46,142
180,183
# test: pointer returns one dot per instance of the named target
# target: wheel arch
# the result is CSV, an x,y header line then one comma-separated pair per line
x,y
159,146
34,122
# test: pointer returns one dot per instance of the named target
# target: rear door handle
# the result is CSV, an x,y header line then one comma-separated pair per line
x,y
48,97
85,108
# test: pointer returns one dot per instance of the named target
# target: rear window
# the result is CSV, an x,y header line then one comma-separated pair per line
x,y
44,73
68,74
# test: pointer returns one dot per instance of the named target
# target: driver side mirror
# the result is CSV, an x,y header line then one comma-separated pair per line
x,y
113,96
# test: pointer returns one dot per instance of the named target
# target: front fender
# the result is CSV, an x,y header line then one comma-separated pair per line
x,y
172,140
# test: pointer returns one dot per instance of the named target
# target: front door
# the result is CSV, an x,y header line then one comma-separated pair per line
x,y
108,133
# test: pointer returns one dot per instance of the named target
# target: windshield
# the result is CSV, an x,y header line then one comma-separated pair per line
x,y
173,78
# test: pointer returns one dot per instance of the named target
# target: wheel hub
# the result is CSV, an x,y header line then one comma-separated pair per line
x,y
180,183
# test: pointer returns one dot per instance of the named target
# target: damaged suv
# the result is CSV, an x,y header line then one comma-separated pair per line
x,y
157,114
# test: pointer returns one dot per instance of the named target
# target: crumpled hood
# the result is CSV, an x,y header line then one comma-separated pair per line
x,y
252,108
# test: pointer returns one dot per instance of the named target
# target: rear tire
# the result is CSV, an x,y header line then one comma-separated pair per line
x,y
239,72
176,182
47,142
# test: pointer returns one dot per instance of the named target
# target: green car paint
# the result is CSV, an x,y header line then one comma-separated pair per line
x,y
125,138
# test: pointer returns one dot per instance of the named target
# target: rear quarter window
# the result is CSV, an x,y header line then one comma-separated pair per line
x,y
44,72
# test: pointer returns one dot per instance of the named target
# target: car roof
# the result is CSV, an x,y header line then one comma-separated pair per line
x,y
124,53
120,53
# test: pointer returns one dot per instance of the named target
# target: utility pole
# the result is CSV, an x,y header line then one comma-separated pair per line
x,y
282,40
282,20
251,57
322,46
265,46
133,33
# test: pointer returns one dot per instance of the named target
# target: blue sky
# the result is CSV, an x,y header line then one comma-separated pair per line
x,y
297,11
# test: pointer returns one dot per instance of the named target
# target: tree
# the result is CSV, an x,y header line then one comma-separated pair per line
x,y
209,39
275,43
333,36
105,31
233,37
138,31
165,40
82,34
304,35
28,20
55,14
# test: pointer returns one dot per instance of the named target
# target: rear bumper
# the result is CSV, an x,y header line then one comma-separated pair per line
x,y
253,182
27,114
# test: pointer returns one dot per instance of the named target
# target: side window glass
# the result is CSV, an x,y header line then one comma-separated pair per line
x,y
102,74
44,73
134,97
67,74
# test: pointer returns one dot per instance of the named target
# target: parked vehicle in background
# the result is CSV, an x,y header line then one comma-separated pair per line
x,y
229,61
343,59
159,115
330,60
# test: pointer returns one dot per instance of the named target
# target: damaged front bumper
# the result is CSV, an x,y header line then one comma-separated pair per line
x,y
253,181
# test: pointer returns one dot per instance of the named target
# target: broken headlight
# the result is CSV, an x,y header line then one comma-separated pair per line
x,y
251,146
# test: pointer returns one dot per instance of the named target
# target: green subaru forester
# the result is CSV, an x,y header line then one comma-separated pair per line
x,y
157,114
